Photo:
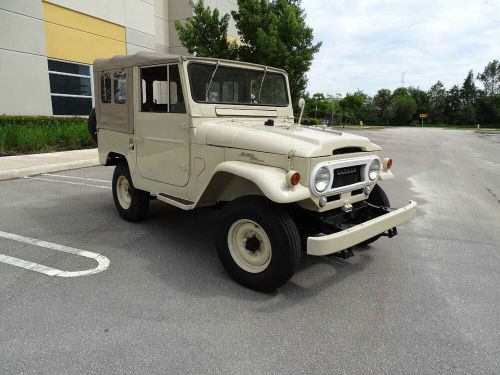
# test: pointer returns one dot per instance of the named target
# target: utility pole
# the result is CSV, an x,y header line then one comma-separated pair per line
x,y
403,79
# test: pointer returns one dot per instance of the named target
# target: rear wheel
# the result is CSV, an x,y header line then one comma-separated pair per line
x,y
377,197
132,204
258,243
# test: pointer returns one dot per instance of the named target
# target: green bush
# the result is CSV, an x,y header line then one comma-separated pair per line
x,y
31,134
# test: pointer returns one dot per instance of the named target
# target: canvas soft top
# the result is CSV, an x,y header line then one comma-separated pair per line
x,y
139,58
150,58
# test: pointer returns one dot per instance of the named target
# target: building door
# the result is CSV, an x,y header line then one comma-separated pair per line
x,y
162,127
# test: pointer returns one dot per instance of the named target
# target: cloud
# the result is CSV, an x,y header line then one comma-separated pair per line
x,y
368,44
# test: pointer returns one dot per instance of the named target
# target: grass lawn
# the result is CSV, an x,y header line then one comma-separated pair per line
x,y
36,134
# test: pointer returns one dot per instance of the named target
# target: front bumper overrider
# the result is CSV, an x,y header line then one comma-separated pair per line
x,y
344,239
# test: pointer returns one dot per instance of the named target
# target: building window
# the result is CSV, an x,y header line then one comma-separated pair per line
x,y
70,88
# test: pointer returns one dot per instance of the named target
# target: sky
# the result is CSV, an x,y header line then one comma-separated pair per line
x,y
367,45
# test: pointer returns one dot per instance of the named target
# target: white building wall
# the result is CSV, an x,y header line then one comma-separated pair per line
x,y
108,10
24,88
149,25
162,38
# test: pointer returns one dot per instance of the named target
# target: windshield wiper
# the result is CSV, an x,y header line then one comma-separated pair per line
x,y
261,82
211,78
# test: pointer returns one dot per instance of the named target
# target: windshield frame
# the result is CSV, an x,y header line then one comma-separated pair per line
x,y
263,70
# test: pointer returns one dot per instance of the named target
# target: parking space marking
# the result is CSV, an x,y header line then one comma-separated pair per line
x,y
68,182
102,261
75,177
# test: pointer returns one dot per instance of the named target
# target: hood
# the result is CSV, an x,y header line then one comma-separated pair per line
x,y
281,138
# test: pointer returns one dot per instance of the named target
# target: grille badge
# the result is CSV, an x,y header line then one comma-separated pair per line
x,y
344,171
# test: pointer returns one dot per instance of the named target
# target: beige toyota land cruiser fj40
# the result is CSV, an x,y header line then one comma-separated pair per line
x,y
195,132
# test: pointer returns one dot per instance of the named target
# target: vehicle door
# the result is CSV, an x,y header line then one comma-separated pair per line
x,y
162,127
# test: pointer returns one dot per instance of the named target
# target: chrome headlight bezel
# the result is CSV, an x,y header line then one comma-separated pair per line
x,y
374,169
326,179
364,161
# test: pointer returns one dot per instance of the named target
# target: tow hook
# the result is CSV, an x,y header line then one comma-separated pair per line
x,y
343,254
390,232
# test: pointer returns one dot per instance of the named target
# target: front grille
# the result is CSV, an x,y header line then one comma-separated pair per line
x,y
347,176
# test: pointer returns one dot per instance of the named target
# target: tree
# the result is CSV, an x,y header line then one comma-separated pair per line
x,y
205,34
490,77
382,102
421,99
317,106
401,91
468,92
352,106
402,109
437,102
275,33
453,105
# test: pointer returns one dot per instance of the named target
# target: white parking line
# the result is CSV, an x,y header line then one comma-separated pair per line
x,y
68,182
75,177
102,261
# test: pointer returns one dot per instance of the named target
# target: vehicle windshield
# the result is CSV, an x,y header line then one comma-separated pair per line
x,y
215,83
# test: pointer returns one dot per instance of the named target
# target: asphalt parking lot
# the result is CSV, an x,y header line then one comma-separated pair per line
x,y
425,302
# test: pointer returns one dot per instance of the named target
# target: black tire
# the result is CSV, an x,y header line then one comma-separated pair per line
x,y
92,126
378,197
138,207
282,235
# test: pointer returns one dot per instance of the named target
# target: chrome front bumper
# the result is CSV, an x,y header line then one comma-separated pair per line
x,y
331,243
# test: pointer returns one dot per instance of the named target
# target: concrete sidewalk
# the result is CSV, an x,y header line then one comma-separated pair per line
x,y
26,165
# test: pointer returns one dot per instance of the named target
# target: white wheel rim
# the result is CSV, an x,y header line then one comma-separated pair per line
x,y
123,192
251,260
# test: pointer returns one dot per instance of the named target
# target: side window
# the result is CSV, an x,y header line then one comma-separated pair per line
x,y
154,89
120,88
105,88
161,90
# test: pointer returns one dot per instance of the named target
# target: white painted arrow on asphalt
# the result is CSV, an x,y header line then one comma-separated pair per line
x,y
102,261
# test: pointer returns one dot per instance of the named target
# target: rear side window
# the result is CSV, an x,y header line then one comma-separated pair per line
x,y
120,88
105,88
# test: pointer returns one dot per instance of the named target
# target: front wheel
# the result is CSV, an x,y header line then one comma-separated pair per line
x,y
258,243
132,204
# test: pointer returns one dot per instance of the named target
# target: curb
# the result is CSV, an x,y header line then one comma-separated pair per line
x,y
46,168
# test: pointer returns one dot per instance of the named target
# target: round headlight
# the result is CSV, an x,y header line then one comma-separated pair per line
x,y
322,179
374,169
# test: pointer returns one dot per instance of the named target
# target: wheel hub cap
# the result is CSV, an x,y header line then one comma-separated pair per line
x,y
249,245
123,192
252,244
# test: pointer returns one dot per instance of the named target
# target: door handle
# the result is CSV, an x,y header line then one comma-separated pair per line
x,y
139,139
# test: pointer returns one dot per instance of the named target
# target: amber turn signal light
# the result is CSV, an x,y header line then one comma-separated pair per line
x,y
387,163
293,178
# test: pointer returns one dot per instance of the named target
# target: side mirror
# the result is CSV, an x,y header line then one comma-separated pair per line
x,y
302,104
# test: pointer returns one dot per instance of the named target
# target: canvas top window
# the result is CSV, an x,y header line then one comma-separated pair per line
x,y
212,83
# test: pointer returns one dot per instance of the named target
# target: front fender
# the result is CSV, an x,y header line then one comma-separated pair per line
x,y
270,180
385,175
